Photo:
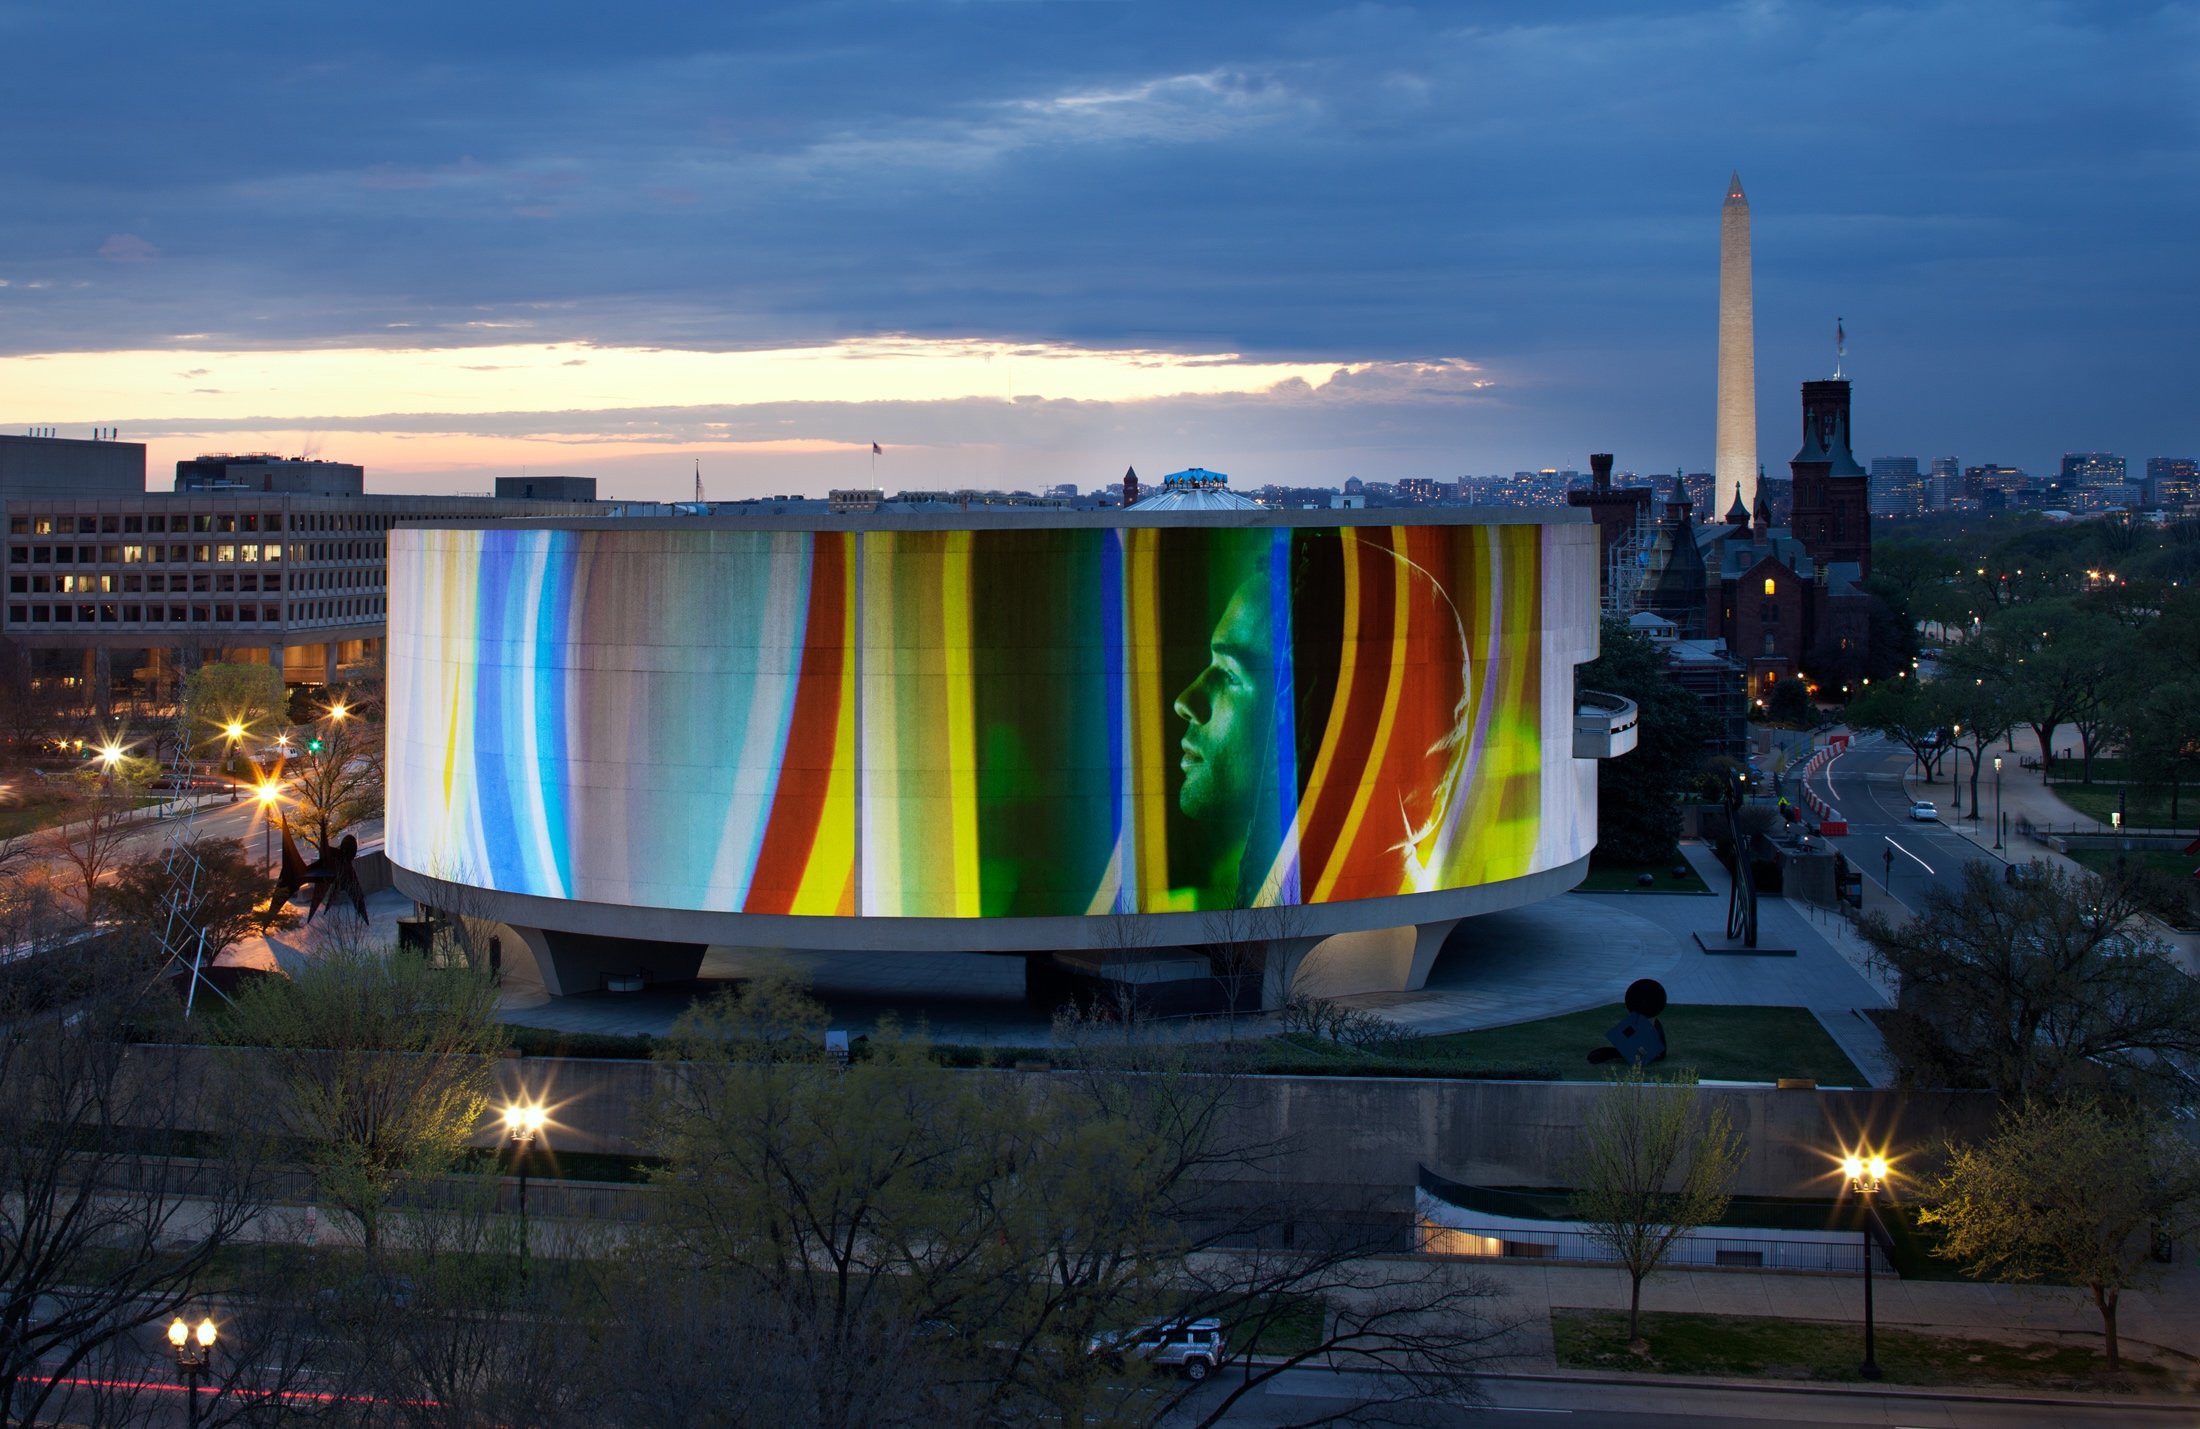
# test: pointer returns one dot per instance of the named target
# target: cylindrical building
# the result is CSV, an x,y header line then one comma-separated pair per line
x,y
630,740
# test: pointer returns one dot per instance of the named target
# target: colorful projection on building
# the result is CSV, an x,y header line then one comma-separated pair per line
x,y
997,723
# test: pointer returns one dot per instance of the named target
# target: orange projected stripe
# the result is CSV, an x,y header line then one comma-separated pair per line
x,y
1376,691
820,737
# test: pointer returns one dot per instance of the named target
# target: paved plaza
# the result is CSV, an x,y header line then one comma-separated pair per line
x,y
1564,955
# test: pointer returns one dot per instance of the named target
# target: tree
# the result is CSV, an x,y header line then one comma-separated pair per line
x,y
1651,1170
378,1063
1912,713
225,897
104,1229
1980,715
2057,663
1240,944
1789,706
2074,1191
90,841
1638,794
219,694
2038,988
906,1243
336,780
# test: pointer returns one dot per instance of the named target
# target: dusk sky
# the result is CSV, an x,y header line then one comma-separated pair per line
x,y
1021,243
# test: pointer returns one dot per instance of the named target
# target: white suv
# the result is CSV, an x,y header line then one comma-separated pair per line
x,y
1193,1347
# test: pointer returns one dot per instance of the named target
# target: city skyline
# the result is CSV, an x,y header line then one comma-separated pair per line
x,y
1029,246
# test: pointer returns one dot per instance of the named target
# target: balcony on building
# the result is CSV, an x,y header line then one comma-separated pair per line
x,y
1604,725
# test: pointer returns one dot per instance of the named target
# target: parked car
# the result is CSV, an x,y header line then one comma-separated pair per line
x,y
1194,1348
1925,812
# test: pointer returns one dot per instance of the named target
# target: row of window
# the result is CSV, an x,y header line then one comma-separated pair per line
x,y
104,613
132,582
182,521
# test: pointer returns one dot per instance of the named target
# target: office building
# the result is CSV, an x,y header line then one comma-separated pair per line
x,y
272,475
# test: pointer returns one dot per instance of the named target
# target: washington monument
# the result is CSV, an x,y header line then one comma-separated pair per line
x,y
1737,437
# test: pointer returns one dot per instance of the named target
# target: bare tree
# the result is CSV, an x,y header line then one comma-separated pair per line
x,y
1651,1170
1240,945
336,780
90,843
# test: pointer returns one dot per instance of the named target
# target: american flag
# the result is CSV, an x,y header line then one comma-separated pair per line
x,y
875,451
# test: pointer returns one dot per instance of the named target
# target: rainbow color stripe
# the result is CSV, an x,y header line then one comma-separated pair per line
x,y
963,724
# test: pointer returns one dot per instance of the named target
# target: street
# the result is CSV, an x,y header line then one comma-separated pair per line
x,y
1301,1394
1866,785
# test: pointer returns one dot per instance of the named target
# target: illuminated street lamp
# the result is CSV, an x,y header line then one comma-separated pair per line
x,y
1866,1176
523,1122
269,793
193,1348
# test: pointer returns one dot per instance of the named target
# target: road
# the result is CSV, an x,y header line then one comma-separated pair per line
x,y
1518,1403
1865,784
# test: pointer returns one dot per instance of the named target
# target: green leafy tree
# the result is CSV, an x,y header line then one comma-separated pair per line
x,y
1912,713
379,1064
2039,988
1639,793
1652,1167
2073,1192
226,898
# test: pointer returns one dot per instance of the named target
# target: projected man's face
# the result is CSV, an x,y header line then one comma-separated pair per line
x,y
1226,714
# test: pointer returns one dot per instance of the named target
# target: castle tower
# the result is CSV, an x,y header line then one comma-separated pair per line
x,y
1737,430
1832,513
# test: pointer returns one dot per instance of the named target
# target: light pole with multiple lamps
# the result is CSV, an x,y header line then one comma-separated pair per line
x,y
1997,801
1866,1175
523,1122
193,1348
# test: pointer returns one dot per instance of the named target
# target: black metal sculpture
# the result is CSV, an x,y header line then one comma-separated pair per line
x,y
334,872
1638,1037
1741,907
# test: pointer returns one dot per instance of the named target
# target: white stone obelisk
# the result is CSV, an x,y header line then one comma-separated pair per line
x,y
1736,453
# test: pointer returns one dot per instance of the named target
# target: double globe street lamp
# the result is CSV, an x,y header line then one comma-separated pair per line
x,y
1867,1175
193,1348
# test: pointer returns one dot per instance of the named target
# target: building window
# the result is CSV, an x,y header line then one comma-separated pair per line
x,y
131,525
41,613
19,525
202,523
1770,640
42,526
1771,614
110,525
1771,586
226,552
133,555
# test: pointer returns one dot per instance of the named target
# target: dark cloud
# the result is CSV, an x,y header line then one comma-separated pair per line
x,y
1998,197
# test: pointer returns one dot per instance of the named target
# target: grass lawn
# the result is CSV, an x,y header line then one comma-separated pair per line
x,y
1742,1044
1621,878
1293,1326
2146,806
1745,1347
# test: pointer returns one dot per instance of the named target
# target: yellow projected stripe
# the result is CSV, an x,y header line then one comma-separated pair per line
x,y
1141,580
962,724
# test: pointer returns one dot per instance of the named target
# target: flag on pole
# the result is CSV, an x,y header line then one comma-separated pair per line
x,y
875,451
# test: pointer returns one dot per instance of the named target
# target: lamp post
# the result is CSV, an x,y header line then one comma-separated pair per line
x,y
1997,801
1866,1175
523,1122
269,793
193,1347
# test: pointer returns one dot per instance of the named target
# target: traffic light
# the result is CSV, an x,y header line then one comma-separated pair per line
x,y
313,745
